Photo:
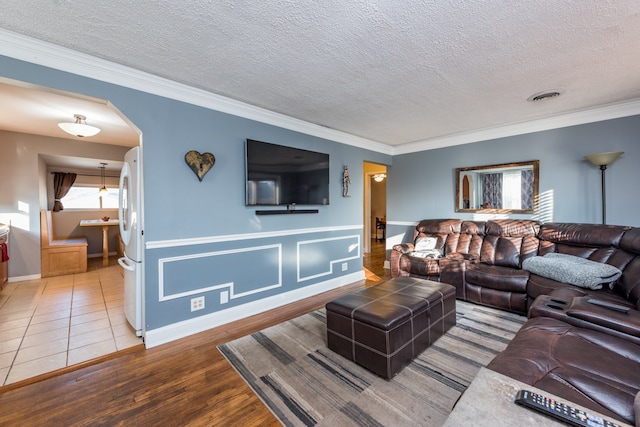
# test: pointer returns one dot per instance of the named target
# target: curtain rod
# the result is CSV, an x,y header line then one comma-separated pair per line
x,y
89,174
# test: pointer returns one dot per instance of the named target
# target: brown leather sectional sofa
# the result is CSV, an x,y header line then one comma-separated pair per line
x,y
570,347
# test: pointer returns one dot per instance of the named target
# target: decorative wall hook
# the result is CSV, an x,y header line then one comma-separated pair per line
x,y
199,163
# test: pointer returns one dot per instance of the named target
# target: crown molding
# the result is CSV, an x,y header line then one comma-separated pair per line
x,y
43,53
47,54
588,115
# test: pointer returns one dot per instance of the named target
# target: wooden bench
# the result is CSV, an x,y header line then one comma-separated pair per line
x,y
60,256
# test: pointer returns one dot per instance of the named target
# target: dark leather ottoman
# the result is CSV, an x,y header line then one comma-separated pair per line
x,y
384,327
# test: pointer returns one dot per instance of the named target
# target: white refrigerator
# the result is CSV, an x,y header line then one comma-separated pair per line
x,y
129,213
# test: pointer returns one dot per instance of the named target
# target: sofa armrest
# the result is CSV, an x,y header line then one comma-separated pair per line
x,y
394,260
463,257
404,248
627,323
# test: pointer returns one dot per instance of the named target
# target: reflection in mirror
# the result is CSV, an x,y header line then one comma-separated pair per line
x,y
510,187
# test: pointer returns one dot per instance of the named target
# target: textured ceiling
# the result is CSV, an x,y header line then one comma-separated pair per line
x,y
384,70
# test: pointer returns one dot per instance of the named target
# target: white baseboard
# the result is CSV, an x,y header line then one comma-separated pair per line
x,y
24,278
188,327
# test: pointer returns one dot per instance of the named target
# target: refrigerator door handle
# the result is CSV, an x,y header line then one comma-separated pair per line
x,y
124,264
124,225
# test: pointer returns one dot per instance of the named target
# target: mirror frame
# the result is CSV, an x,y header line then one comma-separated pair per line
x,y
505,166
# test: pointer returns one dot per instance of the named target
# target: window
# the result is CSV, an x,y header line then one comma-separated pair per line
x,y
84,197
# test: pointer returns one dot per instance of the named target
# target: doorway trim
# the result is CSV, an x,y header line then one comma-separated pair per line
x,y
376,168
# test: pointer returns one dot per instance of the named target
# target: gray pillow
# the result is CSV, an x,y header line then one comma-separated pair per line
x,y
572,269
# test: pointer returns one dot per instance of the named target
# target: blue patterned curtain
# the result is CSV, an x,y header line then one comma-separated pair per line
x,y
527,189
492,190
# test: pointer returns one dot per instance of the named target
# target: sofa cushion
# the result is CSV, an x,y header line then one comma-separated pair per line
x,y
587,235
630,241
499,278
587,367
471,237
512,227
502,251
508,242
416,266
629,283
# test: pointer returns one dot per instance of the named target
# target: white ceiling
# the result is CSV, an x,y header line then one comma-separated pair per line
x,y
389,71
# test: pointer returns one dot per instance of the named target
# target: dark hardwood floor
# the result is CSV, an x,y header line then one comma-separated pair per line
x,y
185,382
374,260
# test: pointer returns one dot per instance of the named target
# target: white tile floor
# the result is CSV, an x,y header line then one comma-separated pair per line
x,y
51,323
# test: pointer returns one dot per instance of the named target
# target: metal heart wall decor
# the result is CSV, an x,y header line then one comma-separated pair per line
x,y
199,163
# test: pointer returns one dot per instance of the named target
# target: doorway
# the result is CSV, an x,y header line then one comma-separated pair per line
x,y
375,204
62,320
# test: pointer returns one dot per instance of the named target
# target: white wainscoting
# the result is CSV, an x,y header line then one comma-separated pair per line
x,y
188,327
227,288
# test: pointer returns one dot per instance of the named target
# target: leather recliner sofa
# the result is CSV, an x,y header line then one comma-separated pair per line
x,y
585,353
483,260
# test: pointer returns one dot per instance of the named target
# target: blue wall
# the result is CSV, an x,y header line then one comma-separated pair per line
x,y
200,237
422,185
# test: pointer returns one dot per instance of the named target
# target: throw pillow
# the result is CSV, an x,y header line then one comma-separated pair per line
x,y
427,253
425,244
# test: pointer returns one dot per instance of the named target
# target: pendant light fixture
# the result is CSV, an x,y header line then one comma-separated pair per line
x,y
103,189
80,128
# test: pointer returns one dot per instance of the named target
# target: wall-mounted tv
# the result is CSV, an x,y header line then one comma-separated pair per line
x,y
277,175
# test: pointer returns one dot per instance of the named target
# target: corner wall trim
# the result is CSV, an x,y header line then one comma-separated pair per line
x,y
160,244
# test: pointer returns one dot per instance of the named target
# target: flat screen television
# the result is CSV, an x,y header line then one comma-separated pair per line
x,y
277,175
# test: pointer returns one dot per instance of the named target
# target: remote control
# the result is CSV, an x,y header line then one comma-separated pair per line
x,y
560,411
606,304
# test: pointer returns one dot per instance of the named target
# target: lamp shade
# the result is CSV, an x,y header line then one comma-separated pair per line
x,y
603,159
80,128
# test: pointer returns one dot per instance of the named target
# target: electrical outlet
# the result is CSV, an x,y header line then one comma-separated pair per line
x,y
345,266
197,303
224,297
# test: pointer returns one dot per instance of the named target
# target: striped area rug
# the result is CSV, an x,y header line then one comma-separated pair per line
x,y
305,384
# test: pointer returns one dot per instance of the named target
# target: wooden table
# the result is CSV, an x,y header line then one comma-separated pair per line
x,y
105,234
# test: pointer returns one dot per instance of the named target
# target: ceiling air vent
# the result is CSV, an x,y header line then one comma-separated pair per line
x,y
543,95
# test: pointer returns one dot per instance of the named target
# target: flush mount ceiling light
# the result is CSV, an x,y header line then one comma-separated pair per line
x,y
379,177
80,128
543,95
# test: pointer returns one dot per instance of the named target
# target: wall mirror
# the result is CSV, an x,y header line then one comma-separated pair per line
x,y
506,188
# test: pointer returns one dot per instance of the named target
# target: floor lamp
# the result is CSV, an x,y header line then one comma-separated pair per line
x,y
603,160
